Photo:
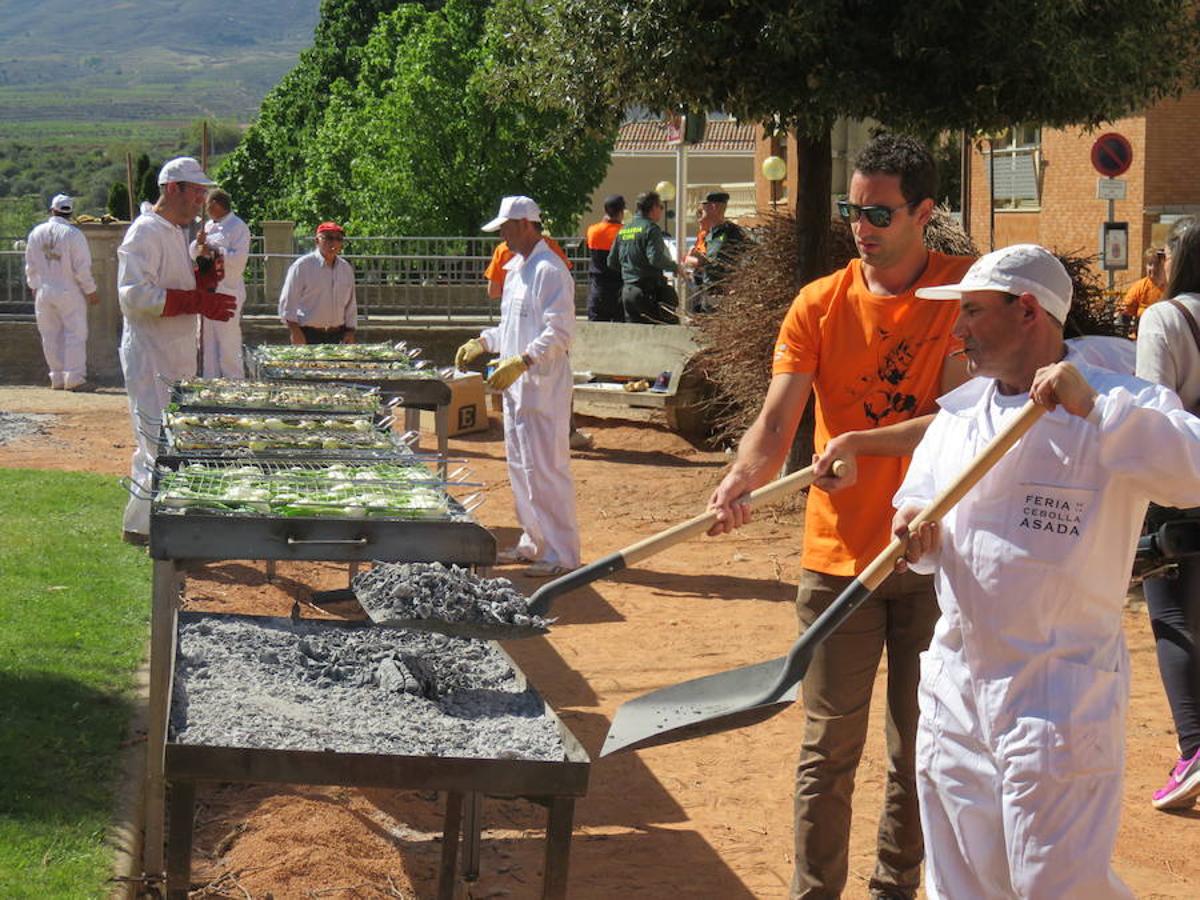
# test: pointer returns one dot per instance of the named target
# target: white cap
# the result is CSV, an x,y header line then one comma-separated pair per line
x,y
1019,269
62,203
514,208
183,168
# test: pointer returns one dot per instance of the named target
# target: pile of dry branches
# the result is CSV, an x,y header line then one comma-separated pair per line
x,y
739,336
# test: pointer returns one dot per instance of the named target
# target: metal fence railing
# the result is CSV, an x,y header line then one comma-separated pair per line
x,y
408,277
15,297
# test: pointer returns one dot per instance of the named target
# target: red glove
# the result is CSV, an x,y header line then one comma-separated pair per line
x,y
212,306
209,271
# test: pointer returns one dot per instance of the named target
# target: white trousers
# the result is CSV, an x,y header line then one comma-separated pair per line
x,y
222,346
539,471
62,323
1021,805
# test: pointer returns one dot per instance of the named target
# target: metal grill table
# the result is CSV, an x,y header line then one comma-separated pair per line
x,y
179,539
555,784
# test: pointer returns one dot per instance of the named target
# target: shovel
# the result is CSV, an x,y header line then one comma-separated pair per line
x,y
543,597
751,694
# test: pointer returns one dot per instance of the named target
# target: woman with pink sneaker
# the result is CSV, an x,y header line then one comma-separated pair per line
x,y
1168,352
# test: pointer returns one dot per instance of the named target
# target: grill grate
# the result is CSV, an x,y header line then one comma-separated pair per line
x,y
382,490
219,393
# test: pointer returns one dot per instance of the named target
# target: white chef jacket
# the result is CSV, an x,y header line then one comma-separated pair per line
x,y
1025,684
57,259
537,316
317,295
152,259
537,319
231,236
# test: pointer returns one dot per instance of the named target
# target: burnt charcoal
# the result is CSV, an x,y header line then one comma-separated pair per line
x,y
446,593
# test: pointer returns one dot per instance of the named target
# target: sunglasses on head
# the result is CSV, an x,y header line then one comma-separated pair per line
x,y
878,216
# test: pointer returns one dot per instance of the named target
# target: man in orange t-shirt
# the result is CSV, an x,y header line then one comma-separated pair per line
x,y
494,273
873,355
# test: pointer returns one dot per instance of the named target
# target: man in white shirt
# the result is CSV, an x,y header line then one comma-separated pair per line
x,y
162,297
1024,688
537,326
58,268
317,303
226,236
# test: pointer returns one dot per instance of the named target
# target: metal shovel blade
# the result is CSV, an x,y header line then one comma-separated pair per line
x,y
695,708
750,694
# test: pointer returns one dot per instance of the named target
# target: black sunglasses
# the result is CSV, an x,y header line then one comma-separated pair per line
x,y
878,216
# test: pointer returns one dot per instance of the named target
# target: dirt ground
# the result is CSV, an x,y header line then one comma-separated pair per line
x,y
707,818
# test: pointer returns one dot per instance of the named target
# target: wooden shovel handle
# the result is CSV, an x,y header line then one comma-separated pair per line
x,y
697,525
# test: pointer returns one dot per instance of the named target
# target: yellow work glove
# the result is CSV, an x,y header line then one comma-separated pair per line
x,y
507,372
468,352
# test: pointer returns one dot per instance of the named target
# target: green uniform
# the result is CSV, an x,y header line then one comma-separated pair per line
x,y
720,243
640,252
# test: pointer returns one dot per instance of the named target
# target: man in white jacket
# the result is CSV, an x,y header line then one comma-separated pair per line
x,y
58,269
1020,746
161,298
227,236
537,326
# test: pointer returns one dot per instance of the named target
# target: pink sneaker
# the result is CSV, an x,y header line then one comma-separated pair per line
x,y
1182,787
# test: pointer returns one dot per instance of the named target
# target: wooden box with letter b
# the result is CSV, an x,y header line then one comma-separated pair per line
x,y
468,410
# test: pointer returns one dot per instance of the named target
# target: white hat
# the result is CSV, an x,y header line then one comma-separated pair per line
x,y
514,208
183,168
1019,269
62,203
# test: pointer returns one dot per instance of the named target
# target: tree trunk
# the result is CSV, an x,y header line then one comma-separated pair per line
x,y
814,158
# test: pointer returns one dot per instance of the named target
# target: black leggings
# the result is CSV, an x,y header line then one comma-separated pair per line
x,y
1174,604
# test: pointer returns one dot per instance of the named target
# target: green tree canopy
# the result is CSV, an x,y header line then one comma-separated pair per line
x,y
417,136
420,145
917,65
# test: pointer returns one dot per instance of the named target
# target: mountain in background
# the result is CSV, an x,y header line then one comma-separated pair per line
x,y
146,59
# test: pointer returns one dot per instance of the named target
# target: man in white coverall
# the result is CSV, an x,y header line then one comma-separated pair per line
x,y
161,297
227,236
537,326
1023,692
58,268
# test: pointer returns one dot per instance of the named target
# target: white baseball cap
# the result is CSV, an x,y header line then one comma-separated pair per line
x,y
183,168
1019,269
62,203
514,208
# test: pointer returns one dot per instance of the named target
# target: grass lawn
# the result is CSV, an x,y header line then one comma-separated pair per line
x,y
74,618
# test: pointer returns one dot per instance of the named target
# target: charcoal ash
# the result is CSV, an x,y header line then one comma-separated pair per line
x,y
246,682
439,592
19,425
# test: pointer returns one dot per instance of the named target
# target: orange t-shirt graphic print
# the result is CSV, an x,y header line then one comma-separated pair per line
x,y
876,361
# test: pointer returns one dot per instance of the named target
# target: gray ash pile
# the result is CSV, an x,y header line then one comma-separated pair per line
x,y
326,686
432,591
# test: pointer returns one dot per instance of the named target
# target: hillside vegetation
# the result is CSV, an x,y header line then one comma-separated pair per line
x,y
145,59
83,84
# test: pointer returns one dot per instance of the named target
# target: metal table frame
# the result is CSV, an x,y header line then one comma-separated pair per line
x,y
464,781
167,588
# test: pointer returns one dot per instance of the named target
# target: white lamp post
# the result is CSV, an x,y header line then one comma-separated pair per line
x,y
774,169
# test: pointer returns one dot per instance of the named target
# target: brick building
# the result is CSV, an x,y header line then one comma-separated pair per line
x,y
1045,186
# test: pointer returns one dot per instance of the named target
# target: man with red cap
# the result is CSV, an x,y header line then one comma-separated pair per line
x,y
317,303
162,297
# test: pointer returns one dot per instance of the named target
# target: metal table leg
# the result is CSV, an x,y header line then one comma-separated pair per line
x,y
167,580
472,826
449,866
179,841
559,822
441,418
412,422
